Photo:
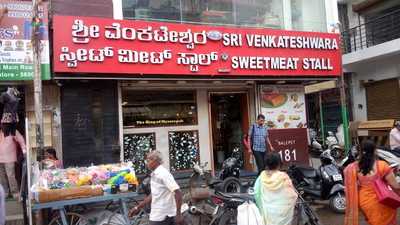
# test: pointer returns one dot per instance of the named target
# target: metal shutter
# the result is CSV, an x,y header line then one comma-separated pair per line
x,y
383,100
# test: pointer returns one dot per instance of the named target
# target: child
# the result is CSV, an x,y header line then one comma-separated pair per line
x,y
50,159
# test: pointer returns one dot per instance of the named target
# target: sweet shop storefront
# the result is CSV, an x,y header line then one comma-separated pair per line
x,y
189,91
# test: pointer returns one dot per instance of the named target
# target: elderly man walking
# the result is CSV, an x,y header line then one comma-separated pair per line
x,y
165,197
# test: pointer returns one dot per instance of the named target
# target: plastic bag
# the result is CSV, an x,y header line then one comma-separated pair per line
x,y
248,214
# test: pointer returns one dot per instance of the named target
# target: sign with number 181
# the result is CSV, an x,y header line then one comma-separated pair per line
x,y
291,145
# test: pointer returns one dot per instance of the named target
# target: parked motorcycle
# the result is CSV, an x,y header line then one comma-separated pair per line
x,y
331,143
324,183
230,173
304,215
225,212
200,209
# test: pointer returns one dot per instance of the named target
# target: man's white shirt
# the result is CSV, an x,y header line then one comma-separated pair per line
x,y
394,138
163,187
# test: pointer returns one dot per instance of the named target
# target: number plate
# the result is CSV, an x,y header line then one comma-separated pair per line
x,y
337,177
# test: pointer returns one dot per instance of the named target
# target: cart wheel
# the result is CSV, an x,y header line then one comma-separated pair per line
x,y
114,205
142,218
72,219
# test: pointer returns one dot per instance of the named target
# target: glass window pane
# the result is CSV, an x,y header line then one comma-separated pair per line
x,y
159,108
136,146
208,11
151,9
308,15
261,13
183,149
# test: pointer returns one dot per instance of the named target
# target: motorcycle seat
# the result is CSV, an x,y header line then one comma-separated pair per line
x,y
213,182
231,196
308,172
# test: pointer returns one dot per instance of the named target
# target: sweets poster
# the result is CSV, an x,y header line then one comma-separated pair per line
x,y
283,106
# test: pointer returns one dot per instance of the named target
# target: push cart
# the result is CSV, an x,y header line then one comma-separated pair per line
x,y
72,218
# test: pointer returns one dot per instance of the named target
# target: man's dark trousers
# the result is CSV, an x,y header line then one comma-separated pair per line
x,y
260,160
167,221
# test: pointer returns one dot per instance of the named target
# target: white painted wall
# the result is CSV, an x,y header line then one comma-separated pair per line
x,y
117,10
382,69
332,15
377,52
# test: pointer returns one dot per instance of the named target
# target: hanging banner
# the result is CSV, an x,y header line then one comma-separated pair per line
x,y
283,106
16,55
107,46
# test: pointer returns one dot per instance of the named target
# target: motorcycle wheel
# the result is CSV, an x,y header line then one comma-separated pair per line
x,y
337,202
231,185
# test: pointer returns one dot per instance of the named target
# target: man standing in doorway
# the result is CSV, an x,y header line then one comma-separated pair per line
x,y
165,197
259,142
395,137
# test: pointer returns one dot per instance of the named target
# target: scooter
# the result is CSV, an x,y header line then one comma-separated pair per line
x,y
324,183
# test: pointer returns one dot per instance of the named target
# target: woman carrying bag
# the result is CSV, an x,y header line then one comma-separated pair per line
x,y
361,190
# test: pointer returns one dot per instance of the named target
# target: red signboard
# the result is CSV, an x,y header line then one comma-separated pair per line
x,y
291,144
99,45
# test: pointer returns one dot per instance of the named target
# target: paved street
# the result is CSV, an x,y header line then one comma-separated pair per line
x,y
14,213
330,218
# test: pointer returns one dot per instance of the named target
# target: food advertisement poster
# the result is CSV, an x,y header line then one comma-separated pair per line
x,y
283,106
16,55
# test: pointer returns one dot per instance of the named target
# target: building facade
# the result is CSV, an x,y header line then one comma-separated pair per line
x,y
187,77
16,70
371,35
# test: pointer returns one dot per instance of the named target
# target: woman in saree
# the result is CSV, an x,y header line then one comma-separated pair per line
x,y
274,193
360,192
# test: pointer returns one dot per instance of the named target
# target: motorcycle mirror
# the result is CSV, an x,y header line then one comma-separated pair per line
x,y
250,191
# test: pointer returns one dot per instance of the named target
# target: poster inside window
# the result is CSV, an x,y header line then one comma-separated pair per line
x,y
159,108
283,106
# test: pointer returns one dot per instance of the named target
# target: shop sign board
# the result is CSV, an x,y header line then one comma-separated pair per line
x,y
291,144
283,106
107,46
320,86
16,55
